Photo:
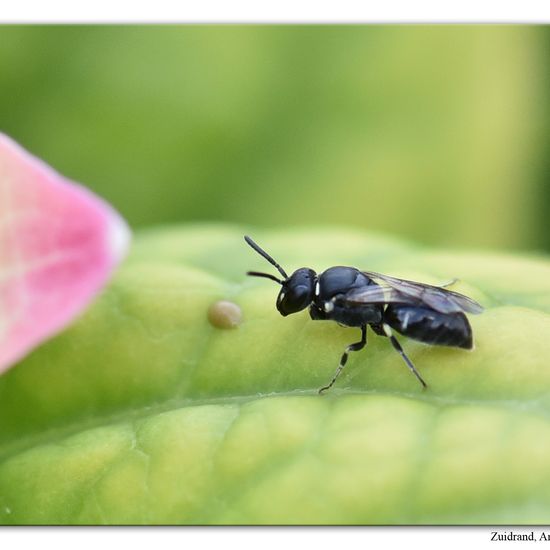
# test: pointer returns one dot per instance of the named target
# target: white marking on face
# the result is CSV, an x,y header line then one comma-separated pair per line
x,y
387,330
329,306
317,289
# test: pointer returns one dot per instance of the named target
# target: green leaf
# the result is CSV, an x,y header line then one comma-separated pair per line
x,y
143,412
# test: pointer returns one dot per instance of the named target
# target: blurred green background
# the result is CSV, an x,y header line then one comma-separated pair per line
x,y
433,133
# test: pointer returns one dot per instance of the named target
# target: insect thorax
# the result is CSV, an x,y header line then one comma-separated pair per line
x,y
339,280
333,284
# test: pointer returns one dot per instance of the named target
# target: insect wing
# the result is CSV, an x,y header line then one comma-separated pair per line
x,y
411,292
375,294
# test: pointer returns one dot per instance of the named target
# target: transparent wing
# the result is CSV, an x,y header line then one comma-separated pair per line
x,y
411,292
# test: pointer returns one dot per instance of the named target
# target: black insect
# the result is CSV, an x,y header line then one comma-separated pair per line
x,y
353,298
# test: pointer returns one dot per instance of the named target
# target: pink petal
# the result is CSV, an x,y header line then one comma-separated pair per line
x,y
59,244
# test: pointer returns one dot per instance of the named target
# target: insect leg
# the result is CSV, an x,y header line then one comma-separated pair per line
x,y
449,283
399,349
352,347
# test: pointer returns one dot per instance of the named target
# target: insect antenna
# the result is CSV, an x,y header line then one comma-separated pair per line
x,y
263,253
265,275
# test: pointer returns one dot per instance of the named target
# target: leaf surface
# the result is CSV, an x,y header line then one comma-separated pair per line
x,y
143,412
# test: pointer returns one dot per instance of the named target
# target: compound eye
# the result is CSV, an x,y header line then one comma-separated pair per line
x,y
293,300
300,296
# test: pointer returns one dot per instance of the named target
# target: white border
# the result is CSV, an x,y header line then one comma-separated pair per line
x,y
281,11
266,538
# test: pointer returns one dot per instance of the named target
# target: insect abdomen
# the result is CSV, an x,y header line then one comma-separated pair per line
x,y
430,326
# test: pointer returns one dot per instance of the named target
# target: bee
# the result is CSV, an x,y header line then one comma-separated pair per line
x,y
355,298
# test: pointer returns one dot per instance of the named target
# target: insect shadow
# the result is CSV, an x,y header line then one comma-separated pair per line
x,y
353,298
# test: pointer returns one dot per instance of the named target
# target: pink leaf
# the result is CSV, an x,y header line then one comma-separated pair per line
x,y
59,244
